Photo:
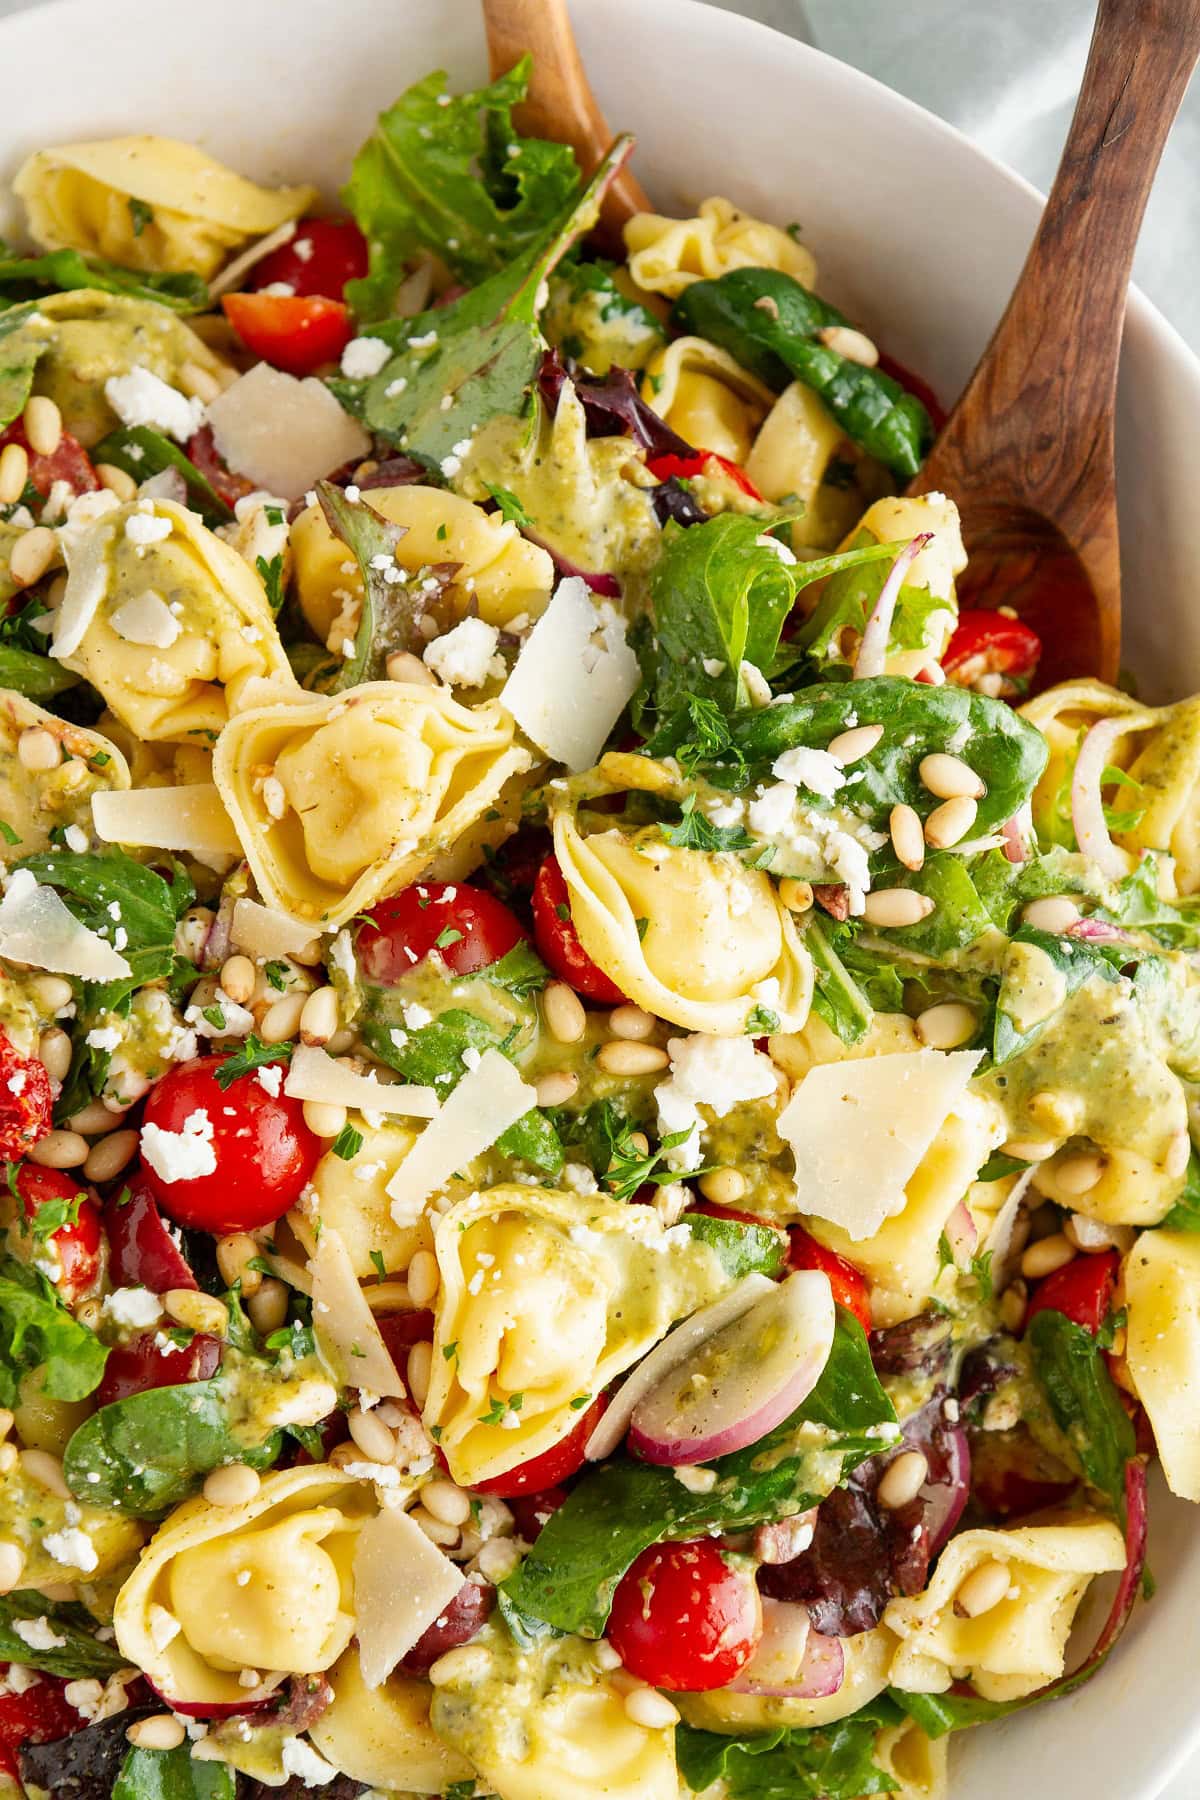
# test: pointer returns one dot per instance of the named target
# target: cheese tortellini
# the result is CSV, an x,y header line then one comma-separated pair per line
x,y
505,574
704,395
35,802
266,1585
868,1656
148,203
52,1532
693,936
166,621
351,1198
667,255
546,1297
343,799
1162,1300
383,1734
1019,1644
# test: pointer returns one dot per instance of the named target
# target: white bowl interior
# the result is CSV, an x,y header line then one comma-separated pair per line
x,y
916,232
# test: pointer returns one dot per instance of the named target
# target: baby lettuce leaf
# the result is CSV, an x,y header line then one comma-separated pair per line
x,y
37,1331
1069,1363
390,610
19,352
450,174
22,277
81,1656
622,1506
143,452
39,678
173,1775
741,1249
827,1762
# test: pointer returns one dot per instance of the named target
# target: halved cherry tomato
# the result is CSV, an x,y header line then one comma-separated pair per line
x,y
37,1716
850,1286
989,647
684,1618
69,462
143,1363
253,1146
553,1466
141,1251
296,333
1011,1474
75,1247
1083,1291
686,468
321,257
26,1102
533,1512
558,941
468,927
202,451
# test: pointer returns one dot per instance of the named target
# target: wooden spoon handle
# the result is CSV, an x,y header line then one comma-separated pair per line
x,y
560,103
1040,402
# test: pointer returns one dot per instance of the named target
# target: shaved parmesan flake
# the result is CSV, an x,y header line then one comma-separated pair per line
x,y
261,931
147,619
36,928
858,1130
315,1075
283,433
86,553
487,1100
347,1336
566,692
402,1584
190,818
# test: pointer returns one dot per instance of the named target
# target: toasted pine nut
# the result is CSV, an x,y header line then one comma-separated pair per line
x,y
94,1118
466,1662
950,822
446,1501
54,1053
324,1117
424,1277
235,1253
947,1025
854,345
38,749
1012,1306
902,1480
238,978
645,1706
1057,1111
372,1436
620,1057
118,481
893,908
796,895
1093,1236
109,1155
52,992
1047,1255
949,776
231,1485
60,1150
12,1566
163,1732
436,1530
1030,1150
199,1312
282,1020
724,1187
14,473
268,1308
47,1471
319,1016
404,666
631,1022
418,1371
1078,1173
43,424
908,839
851,746
557,1087
983,1589
562,1009
1179,1154
198,383
31,556
640,1142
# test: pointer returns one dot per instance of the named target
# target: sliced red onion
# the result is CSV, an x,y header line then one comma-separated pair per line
x,y
675,1348
745,1380
945,1497
792,1661
219,941
598,580
962,1235
1087,804
1099,931
872,652
1014,843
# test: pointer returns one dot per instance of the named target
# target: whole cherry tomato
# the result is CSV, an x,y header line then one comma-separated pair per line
x,y
558,940
38,1715
991,652
850,1286
202,451
553,1466
26,1102
68,462
1082,1291
75,1246
141,1251
686,468
296,333
468,927
320,258
250,1148
143,1363
684,1618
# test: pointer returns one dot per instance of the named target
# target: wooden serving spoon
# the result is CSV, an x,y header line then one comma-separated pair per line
x,y
1027,452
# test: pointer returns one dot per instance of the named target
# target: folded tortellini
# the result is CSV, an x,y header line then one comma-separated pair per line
x,y
35,802
546,1297
868,1656
382,1734
267,1585
1162,1300
1018,1644
148,203
549,1721
790,458
917,1764
343,799
708,398
351,1199
158,764
166,621
693,936
504,574
667,255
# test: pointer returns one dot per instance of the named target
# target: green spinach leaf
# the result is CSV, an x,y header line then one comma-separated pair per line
x,y
173,1775
1069,1363
390,610
38,1332
143,452
520,971
81,1656
826,1762
38,677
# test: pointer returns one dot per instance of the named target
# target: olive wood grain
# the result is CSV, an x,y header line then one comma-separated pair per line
x,y
1028,451
560,103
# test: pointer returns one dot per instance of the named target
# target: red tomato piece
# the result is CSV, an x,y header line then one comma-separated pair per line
x,y
685,468
684,1618
143,1363
75,1247
141,1251
201,450
921,390
26,1102
466,1614
477,930
322,256
69,462
37,1716
990,644
850,1286
558,941
1082,1292
533,1512
294,333
553,1466
262,1151
401,1330
1012,1475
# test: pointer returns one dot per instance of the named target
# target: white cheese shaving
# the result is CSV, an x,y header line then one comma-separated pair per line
x,y
283,433
191,818
262,932
565,691
402,1583
347,1336
484,1104
315,1075
38,929
147,619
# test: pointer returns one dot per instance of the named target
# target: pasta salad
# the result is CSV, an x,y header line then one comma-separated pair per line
x,y
596,1086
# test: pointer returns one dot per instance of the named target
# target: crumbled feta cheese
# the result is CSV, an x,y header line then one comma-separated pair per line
x,y
39,1634
228,1018
363,357
463,657
136,1307
181,1155
713,666
143,398
415,1015
716,1072
395,387
73,1548
270,1078
104,1037
85,1696
815,770
425,342
300,1759
145,527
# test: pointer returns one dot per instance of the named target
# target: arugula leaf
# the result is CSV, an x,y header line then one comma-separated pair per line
x,y
1136,906
173,1775
37,1331
251,1054
39,678
147,906
143,452
511,510
742,1249
391,609
81,1657
19,353
1069,1363
21,277
848,601
695,832
826,1762
520,970
450,174
1075,963
621,1507
837,997
998,1166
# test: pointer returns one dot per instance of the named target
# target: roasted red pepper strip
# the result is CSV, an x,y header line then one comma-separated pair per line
x,y
686,468
987,645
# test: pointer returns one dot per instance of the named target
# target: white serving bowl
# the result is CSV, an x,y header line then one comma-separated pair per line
x,y
917,233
